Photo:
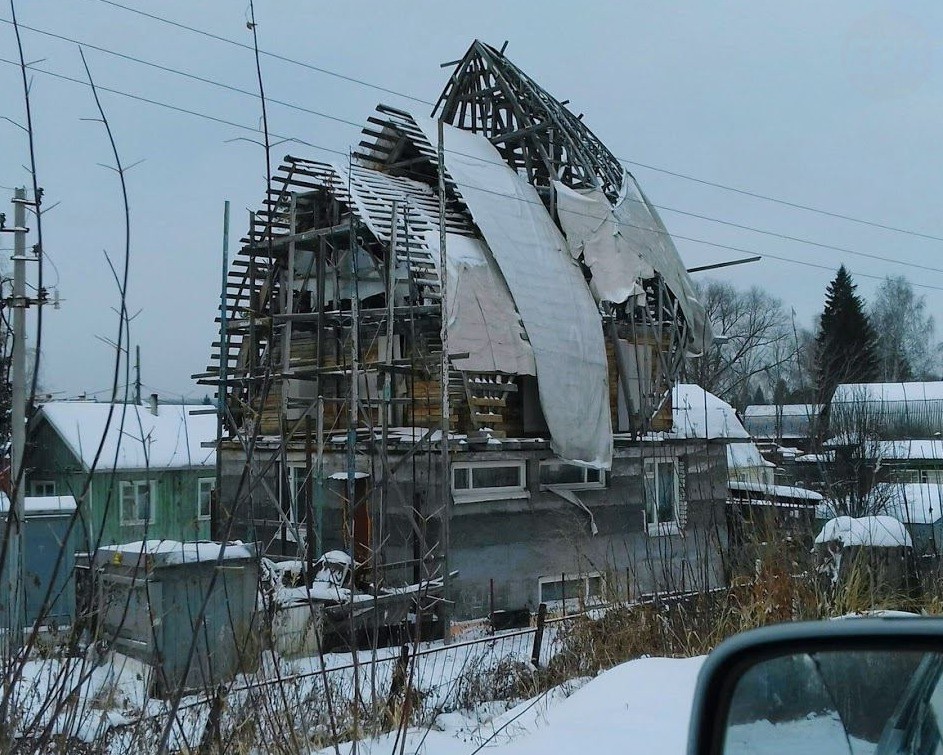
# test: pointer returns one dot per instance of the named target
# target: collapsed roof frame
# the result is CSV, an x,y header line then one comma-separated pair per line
x,y
384,204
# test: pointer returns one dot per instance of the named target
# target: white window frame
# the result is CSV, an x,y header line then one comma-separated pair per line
x,y
36,484
152,501
650,471
494,493
210,482
586,484
583,599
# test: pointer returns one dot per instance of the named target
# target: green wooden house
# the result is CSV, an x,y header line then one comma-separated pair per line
x,y
153,479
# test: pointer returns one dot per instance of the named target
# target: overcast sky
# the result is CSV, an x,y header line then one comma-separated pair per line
x,y
834,105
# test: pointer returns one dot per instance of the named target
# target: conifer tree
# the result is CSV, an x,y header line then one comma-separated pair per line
x,y
845,347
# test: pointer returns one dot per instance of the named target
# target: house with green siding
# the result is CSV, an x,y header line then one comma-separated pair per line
x,y
151,469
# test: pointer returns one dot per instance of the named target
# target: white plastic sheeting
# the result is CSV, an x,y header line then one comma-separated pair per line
x,y
593,234
641,228
555,304
483,321
625,243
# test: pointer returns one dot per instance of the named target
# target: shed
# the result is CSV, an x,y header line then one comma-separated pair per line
x,y
149,595
49,589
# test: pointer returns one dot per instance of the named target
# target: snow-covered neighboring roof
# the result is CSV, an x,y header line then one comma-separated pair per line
x,y
912,502
773,422
697,413
911,449
745,456
172,439
775,491
176,552
849,393
873,531
784,410
821,458
48,504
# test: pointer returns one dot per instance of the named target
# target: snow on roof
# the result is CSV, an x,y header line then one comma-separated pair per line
x,y
170,440
911,449
745,456
176,552
784,410
700,414
816,458
873,531
911,503
775,491
856,392
41,504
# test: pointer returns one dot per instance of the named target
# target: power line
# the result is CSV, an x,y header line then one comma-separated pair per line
x,y
178,72
274,55
175,108
786,202
256,130
294,106
626,161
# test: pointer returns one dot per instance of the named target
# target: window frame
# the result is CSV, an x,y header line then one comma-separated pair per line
x,y
35,483
151,503
585,599
650,471
584,485
201,517
470,494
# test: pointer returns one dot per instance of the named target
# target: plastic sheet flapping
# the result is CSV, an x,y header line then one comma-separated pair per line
x,y
558,311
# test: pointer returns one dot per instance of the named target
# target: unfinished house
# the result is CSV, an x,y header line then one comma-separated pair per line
x,y
454,354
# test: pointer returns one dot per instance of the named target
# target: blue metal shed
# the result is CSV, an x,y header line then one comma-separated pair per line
x,y
46,535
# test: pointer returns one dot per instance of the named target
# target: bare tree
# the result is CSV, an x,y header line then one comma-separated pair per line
x,y
756,346
906,347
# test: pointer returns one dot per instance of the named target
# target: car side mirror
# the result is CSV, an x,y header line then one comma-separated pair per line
x,y
848,686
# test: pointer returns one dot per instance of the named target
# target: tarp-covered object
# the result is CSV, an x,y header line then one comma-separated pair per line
x,y
558,311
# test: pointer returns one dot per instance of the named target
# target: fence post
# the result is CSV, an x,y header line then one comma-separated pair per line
x,y
212,741
491,604
539,635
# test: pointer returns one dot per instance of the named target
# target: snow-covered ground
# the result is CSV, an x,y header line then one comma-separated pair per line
x,y
641,706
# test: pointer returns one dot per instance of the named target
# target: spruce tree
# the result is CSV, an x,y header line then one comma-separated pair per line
x,y
845,347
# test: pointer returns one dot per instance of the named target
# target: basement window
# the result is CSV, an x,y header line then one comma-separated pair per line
x,y
136,501
571,590
571,476
489,481
662,498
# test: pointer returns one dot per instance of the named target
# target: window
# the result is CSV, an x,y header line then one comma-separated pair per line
x,y
42,488
136,500
563,475
488,481
204,497
662,499
571,589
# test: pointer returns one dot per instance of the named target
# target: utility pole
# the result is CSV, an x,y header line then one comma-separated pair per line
x,y
446,481
14,565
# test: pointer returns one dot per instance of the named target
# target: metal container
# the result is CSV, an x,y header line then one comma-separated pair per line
x,y
149,596
47,540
